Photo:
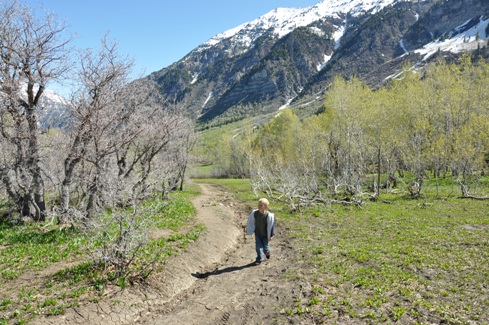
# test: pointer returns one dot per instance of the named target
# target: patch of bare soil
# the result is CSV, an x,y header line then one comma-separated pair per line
x,y
214,282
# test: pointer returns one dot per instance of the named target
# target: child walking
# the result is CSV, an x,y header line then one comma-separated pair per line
x,y
261,222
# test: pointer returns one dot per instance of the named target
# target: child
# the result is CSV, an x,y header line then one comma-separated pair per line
x,y
261,223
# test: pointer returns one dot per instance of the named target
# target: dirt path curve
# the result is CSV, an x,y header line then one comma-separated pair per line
x,y
230,290
213,282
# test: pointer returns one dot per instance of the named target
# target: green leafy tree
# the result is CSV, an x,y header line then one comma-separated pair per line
x,y
273,163
346,107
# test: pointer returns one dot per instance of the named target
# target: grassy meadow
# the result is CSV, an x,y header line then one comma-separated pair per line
x,y
394,261
407,260
397,260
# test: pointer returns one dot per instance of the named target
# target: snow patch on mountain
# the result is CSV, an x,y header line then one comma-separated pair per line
x,y
462,39
53,109
401,44
337,35
325,62
209,97
287,104
317,31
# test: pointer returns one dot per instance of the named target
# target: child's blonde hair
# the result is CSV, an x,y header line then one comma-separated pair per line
x,y
263,202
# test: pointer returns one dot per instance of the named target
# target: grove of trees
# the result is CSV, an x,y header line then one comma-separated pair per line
x,y
116,148
428,123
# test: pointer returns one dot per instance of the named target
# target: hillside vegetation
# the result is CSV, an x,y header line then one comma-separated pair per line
x,y
384,196
430,123
420,261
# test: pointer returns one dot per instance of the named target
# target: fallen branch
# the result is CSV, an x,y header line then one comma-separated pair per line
x,y
480,198
348,201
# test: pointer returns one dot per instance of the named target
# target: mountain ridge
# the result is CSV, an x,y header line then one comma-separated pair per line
x,y
289,55
284,20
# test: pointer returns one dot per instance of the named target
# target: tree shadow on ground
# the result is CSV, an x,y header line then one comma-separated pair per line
x,y
199,275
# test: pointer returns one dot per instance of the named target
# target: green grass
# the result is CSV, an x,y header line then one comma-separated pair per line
x,y
423,261
27,249
240,188
173,214
397,260
30,247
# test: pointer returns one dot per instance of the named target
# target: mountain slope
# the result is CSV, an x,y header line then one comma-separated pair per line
x,y
289,55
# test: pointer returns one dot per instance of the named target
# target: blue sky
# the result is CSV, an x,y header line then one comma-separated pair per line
x,y
156,33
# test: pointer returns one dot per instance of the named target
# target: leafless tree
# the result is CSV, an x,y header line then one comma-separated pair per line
x,y
97,112
117,135
120,146
33,52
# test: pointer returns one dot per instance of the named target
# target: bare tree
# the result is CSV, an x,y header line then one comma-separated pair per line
x,y
33,52
105,121
120,145
119,136
95,114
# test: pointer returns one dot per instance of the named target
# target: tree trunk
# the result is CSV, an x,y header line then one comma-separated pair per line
x,y
33,162
65,186
378,173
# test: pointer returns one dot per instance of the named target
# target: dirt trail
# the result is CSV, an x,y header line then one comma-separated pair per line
x,y
214,282
230,290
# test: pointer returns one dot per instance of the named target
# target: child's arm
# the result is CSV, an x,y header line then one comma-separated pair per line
x,y
250,225
271,225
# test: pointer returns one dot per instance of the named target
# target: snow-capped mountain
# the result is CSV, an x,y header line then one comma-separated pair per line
x,y
285,20
53,109
289,55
